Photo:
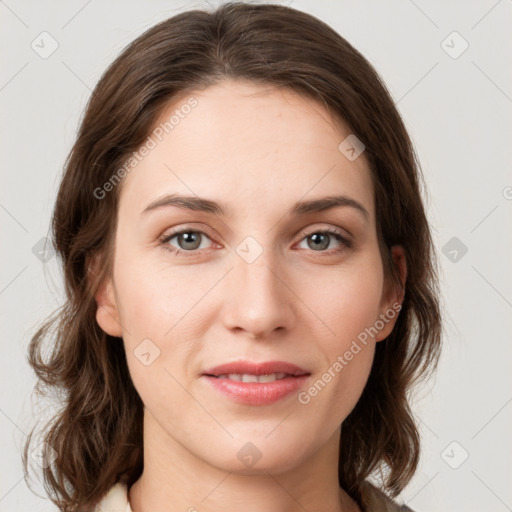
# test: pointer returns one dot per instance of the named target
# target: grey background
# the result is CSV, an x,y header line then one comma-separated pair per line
x,y
458,112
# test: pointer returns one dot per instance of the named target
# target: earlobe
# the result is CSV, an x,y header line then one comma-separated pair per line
x,y
393,295
107,314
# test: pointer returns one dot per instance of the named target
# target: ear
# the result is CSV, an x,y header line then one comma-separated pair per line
x,y
393,295
107,314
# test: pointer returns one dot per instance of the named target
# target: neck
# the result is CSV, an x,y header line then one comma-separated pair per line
x,y
174,479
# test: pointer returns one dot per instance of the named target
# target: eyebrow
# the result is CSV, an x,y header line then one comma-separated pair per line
x,y
201,204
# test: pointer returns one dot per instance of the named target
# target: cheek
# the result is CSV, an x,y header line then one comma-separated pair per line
x,y
154,298
339,382
158,306
347,303
347,299
154,312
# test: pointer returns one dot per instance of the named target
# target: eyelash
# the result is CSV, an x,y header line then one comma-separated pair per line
x,y
164,241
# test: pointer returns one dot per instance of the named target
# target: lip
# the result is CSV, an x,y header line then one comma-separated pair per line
x,y
256,393
256,368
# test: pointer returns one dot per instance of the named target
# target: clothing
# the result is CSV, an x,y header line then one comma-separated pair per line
x,y
373,500
116,500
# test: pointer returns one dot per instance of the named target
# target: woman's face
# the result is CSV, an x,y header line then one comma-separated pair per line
x,y
258,277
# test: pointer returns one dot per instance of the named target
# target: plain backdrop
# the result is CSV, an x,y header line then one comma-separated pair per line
x,y
447,65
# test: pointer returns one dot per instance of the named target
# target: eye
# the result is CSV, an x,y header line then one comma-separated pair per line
x,y
188,241
321,239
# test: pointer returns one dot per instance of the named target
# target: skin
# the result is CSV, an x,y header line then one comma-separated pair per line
x,y
258,150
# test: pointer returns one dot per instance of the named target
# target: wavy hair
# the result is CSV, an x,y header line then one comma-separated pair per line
x,y
98,430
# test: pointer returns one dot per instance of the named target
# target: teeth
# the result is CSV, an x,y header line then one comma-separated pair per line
x,y
246,377
269,378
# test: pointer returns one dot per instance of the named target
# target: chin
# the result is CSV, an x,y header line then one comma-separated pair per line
x,y
258,455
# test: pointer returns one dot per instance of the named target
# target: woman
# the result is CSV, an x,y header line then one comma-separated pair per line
x,y
250,276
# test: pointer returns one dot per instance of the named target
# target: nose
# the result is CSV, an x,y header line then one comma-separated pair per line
x,y
260,299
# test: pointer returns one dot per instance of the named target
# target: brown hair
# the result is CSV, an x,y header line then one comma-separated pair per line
x,y
98,432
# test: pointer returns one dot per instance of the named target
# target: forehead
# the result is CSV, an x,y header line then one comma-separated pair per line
x,y
250,146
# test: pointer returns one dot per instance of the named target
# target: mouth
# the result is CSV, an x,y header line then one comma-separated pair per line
x,y
248,377
249,369
256,383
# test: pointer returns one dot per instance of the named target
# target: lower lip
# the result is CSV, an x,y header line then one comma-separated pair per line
x,y
257,393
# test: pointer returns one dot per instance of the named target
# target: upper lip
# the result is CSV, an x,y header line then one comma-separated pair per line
x,y
265,368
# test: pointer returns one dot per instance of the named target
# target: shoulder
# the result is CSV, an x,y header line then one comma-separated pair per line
x,y
374,500
116,500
